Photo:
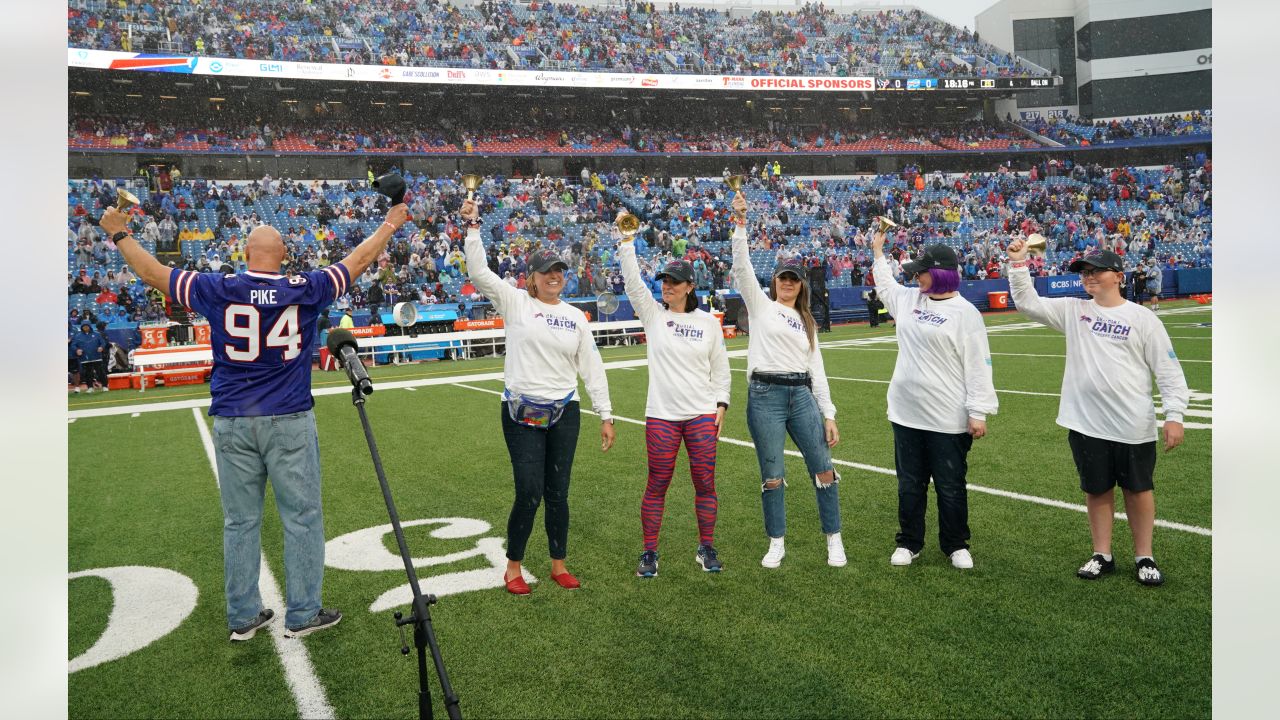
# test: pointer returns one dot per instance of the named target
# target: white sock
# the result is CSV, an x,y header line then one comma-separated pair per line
x,y
1106,556
1140,558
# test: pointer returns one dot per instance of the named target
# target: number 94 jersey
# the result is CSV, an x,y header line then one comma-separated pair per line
x,y
263,330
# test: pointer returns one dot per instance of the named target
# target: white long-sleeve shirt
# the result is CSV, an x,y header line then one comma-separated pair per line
x,y
778,342
688,366
1111,354
548,346
943,373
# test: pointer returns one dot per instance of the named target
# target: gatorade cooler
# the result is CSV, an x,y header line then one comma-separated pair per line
x,y
998,300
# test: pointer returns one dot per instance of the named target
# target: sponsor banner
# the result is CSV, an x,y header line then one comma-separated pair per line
x,y
1065,285
241,67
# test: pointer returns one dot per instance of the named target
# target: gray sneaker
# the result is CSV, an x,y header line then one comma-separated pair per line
x,y
648,566
323,619
246,632
708,559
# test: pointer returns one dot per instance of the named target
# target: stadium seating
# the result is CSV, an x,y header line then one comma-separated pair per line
x,y
629,37
971,213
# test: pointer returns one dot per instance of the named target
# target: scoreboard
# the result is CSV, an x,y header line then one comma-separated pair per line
x,y
968,83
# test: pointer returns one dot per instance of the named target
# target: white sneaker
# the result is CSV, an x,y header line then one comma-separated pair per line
x,y
105,388
90,391
777,551
962,559
835,551
902,556
77,390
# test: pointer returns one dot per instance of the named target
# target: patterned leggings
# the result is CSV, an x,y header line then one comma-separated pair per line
x,y
662,439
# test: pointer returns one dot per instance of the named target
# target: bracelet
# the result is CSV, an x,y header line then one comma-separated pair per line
x,y
1018,264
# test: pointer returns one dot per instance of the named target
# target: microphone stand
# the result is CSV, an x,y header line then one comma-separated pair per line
x,y
424,635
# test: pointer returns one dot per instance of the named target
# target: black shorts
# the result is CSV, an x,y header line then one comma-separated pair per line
x,y
1104,464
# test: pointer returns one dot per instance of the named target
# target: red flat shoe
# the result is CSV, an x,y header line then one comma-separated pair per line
x,y
567,581
517,586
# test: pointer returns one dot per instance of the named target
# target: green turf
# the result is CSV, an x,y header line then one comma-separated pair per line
x,y
1017,636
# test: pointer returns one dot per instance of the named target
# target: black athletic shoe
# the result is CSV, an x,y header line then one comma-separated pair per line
x,y
648,566
246,632
1096,567
323,619
708,560
1148,573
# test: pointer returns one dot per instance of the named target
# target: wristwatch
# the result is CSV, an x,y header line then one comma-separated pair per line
x,y
120,236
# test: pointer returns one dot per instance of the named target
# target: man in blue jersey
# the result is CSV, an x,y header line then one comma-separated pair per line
x,y
263,327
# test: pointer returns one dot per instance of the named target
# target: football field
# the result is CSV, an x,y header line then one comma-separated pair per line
x,y
1018,636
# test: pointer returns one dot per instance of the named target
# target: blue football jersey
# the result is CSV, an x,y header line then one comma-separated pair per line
x,y
263,330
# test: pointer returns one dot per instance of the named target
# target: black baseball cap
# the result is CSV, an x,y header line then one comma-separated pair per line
x,y
934,256
545,260
1104,259
677,270
794,266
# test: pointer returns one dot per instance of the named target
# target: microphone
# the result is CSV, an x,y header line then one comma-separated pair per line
x,y
342,344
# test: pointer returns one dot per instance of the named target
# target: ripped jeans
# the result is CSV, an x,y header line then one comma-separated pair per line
x,y
773,413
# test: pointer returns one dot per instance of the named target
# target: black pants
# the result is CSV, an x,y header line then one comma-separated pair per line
x,y
919,455
873,316
91,370
541,461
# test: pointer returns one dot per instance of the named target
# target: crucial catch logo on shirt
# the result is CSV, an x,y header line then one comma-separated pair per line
x,y
794,323
555,322
688,332
1109,329
929,318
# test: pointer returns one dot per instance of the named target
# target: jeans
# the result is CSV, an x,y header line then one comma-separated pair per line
x,y
773,412
919,455
286,449
541,461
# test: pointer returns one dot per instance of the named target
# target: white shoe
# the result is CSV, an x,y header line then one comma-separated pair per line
x,y
77,390
962,559
902,556
90,391
105,388
777,550
835,551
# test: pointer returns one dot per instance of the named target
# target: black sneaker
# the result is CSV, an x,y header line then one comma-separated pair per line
x,y
708,560
648,566
323,619
246,632
1096,567
1148,573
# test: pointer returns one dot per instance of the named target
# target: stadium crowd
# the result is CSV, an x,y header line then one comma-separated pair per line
x,y
1072,130
1153,215
630,37
547,136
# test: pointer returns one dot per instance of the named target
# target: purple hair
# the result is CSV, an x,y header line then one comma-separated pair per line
x,y
943,281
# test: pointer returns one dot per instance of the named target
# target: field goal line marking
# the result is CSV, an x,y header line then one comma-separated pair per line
x,y
1049,502
299,673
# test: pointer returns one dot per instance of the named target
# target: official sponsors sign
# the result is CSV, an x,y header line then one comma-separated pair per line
x,y
1065,285
113,60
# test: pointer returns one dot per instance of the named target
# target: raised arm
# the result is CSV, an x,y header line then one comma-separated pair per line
x,y
501,294
150,270
367,251
641,299
743,272
887,286
1054,312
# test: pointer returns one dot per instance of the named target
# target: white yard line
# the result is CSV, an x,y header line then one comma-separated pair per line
x,y
1048,502
299,673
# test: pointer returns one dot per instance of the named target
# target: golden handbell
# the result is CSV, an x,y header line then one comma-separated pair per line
x,y
472,183
735,184
883,223
1036,244
125,200
628,225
